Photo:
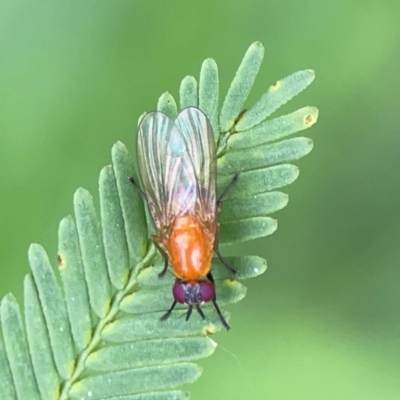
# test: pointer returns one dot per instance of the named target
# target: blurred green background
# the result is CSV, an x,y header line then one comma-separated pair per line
x,y
324,321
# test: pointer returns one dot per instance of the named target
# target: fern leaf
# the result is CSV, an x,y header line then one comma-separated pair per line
x,y
99,336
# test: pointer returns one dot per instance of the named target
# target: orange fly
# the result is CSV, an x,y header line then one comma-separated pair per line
x,y
177,165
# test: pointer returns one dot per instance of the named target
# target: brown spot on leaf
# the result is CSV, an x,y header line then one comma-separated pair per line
x,y
60,261
276,85
309,119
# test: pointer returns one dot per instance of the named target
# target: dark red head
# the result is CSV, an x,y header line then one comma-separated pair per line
x,y
193,293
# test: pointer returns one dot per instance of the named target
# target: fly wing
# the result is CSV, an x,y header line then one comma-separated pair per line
x,y
177,165
152,137
199,138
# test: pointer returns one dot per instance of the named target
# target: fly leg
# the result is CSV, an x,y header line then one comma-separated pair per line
x,y
226,191
155,239
200,311
138,188
189,313
219,206
214,300
218,253
167,314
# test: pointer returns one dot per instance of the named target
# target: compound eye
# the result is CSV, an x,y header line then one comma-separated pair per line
x,y
178,292
207,290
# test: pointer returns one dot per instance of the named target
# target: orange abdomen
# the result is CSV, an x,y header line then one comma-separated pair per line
x,y
190,248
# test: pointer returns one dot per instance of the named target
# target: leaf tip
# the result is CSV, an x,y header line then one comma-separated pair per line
x,y
211,328
105,171
209,62
257,46
213,343
165,97
82,195
198,370
295,171
310,142
66,220
167,105
188,79
262,267
9,298
118,147
35,250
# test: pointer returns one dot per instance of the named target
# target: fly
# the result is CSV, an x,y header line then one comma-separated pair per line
x,y
178,168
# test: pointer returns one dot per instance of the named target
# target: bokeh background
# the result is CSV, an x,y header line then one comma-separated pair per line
x,y
324,321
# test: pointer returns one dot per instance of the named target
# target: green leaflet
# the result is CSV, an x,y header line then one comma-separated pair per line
x,y
135,223
39,343
209,91
6,383
258,181
246,229
167,395
92,250
133,381
134,327
265,155
255,206
277,95
115,246
100,335
188,93
246,267
148,353
240,86
17,350
275,129
167,105
73,277
54,310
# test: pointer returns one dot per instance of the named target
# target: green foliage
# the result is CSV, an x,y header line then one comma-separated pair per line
x,y
101,336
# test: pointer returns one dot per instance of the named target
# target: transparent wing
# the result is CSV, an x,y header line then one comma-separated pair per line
x,y
177,165
199,138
